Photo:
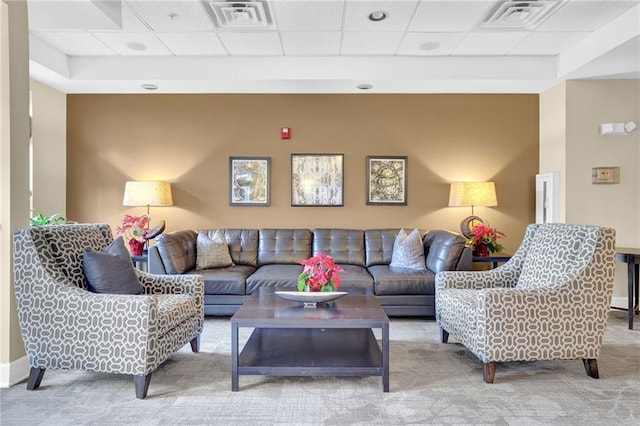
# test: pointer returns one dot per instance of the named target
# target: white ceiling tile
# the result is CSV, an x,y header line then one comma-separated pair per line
x,y
252,43
448,16
435,44
75,43
551,43
202,43
325,43
130,21
399,13
370,43
174,16
490,43
312,15
134,44
585,15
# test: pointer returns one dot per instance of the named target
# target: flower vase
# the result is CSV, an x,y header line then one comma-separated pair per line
x,y
136,247
481,250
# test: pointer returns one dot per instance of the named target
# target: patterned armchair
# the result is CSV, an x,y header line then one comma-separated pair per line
x,y
64,326
550,301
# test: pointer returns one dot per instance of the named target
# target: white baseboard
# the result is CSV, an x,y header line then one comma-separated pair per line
x,y
620,302
14,372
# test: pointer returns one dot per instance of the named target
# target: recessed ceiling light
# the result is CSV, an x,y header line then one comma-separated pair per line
x,y
378,15
133,45
430,45
148,86
364,86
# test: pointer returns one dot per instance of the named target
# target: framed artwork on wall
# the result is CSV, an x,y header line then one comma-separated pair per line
x,y
249,181
387,180
317,180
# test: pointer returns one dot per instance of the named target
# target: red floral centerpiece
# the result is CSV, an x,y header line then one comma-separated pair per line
x,y
485,240
320,273
135,230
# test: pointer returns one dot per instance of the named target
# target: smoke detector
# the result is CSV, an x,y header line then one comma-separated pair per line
x,y
242,14
518,15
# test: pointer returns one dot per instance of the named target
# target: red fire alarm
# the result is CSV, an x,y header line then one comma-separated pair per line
x,y
285,133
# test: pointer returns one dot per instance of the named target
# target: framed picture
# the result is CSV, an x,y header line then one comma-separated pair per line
x,y
317,180
387,180
249,181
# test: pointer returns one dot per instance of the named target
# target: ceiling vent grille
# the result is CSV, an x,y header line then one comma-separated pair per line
x,y
241,15
519,15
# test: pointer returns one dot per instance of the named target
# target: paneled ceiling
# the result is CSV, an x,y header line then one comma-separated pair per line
x,y
330,46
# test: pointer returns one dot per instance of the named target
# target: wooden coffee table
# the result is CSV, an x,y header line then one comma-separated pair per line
x,y
291,340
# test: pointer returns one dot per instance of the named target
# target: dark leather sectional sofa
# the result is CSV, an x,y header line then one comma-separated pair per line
x,y
268,258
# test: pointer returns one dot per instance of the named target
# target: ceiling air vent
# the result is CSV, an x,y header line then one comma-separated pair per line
x,y
518,15
241,15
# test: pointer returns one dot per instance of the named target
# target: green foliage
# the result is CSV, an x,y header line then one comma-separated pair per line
x,y
41,220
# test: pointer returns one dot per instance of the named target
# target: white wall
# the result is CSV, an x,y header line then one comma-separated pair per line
x,y
587,103
49,127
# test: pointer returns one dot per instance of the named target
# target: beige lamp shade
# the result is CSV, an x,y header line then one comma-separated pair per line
x,y
470,194
147,193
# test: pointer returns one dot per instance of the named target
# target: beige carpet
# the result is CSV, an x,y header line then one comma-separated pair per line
x,y
431,383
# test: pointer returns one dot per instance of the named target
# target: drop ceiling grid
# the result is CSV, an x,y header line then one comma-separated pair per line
x,y
308,16
452,16
305,43
251,43
489,43
411,43
370,43
547,43
119,42
189,15
585,15
199,44
74,43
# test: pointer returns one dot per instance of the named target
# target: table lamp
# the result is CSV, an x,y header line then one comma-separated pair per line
x,y
472,194
148,193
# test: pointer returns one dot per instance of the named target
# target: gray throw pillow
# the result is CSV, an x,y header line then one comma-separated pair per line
x,y
212,251
408,251
110,271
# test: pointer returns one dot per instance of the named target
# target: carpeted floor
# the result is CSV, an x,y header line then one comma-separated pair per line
x,y
431,383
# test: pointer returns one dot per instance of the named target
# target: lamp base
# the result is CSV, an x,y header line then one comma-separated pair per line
x,y
468,223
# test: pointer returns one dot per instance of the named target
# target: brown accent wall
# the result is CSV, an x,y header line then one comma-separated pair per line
x,y
188,139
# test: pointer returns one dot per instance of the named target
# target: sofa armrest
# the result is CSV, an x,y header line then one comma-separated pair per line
x,y
155,263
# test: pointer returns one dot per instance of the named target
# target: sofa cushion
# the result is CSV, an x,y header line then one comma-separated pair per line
x,y
408,251
379,245
174,309
274,276
243,244
212,251
110,271
283,246
345,246
229,280
389,281
444,251
178,251
355,276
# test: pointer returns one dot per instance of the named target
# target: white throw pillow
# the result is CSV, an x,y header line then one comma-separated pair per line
x,y
212,252
408,251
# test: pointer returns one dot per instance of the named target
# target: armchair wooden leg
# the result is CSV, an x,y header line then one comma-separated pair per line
x,y
35,377
444,335
142,385
488,371
591,366
195,344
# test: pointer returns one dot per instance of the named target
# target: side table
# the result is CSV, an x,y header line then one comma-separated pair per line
x,y
631,256
141,262
494,259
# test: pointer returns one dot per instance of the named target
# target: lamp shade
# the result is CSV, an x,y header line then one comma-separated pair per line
x,y
147,193
465,194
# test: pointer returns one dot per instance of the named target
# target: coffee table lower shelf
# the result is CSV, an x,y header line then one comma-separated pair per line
x,y
311,352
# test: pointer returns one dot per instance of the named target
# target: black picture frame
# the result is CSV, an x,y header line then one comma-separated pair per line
x,y
317,180
387,180
250,181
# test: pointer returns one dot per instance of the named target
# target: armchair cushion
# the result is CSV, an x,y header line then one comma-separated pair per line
x,y
174,309
111,270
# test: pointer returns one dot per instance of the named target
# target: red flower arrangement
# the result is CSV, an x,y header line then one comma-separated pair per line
x,y
320,273
487,236
135,229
